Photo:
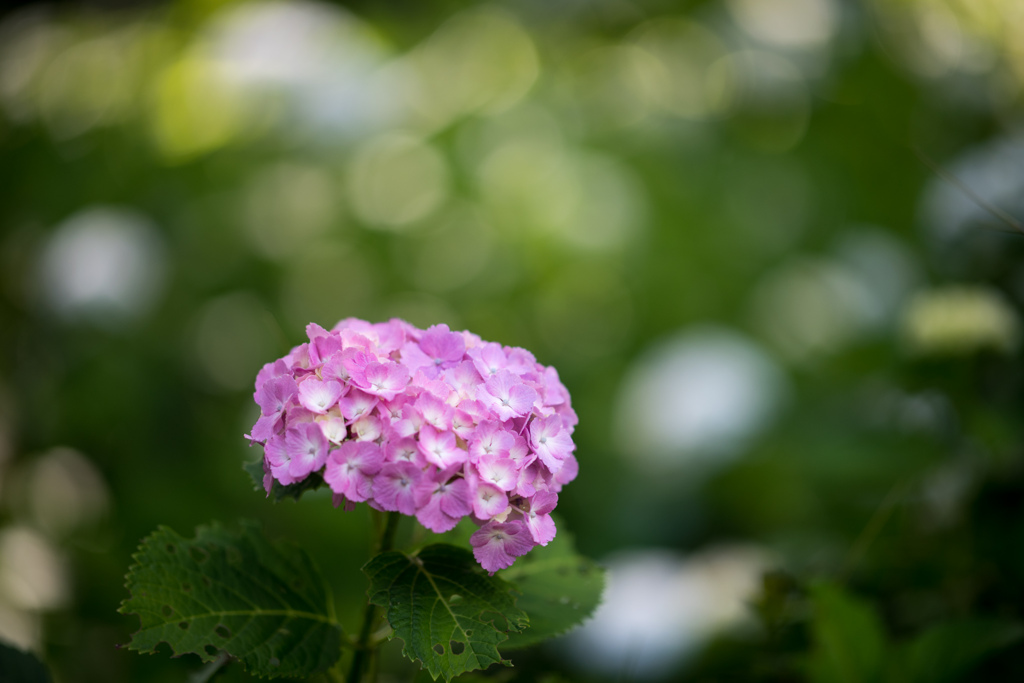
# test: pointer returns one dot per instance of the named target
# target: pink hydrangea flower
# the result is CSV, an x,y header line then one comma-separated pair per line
x,y
435,424
351,468
497,545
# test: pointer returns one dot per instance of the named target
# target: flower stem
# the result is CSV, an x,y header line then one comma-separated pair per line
x,y
362,660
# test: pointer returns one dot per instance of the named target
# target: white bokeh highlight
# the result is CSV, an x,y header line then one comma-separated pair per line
x,y
659,607
697,397
105,264
326,63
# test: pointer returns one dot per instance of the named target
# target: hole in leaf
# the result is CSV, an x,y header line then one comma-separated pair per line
x,y
198,554
455,598
222,631
168,610
171,548
274,661
457,648
439,649
211,650
187,587
469,633
183,625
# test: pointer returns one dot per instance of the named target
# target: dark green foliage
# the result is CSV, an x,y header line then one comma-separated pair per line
x,y
263,603
849,642
279,491
21,667
946,652
558,588
449,613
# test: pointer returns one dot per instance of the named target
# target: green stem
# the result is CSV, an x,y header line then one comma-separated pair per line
x,y
363,658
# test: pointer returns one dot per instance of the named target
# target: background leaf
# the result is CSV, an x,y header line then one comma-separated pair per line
x,y
559,590
945,652
264,603
450,614
849,642
17,666
279,491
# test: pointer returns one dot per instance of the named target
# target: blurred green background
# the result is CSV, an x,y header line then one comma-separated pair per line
x,y
792,344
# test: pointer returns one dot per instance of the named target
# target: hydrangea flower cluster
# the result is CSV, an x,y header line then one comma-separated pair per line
x,y
430,423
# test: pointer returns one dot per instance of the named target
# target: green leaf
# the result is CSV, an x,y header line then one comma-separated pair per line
x,y
21,667
264,603
279,491
849,642
946,652
559,590
450,614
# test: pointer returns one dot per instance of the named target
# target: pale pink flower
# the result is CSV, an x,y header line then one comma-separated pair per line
x,y
333,425
490,438
306,446
448,503
274,394
496,545
488,358
440,448
434,411
550,441
350,469
404,450
275,456
367,428
443,346
401,487
355,404
538,518
464,379
386,380
498,470
319,397
507,396
570,468
488,500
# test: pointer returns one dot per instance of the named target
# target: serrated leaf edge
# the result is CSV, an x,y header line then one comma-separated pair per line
x,y
413,559
136,558
581,622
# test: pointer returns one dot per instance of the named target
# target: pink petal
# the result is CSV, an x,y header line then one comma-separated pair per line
x,y
499,471
455,498
307,449
570,468
319,397
274,395
356,404
496,544
442,346
440,448
489,501
431,516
